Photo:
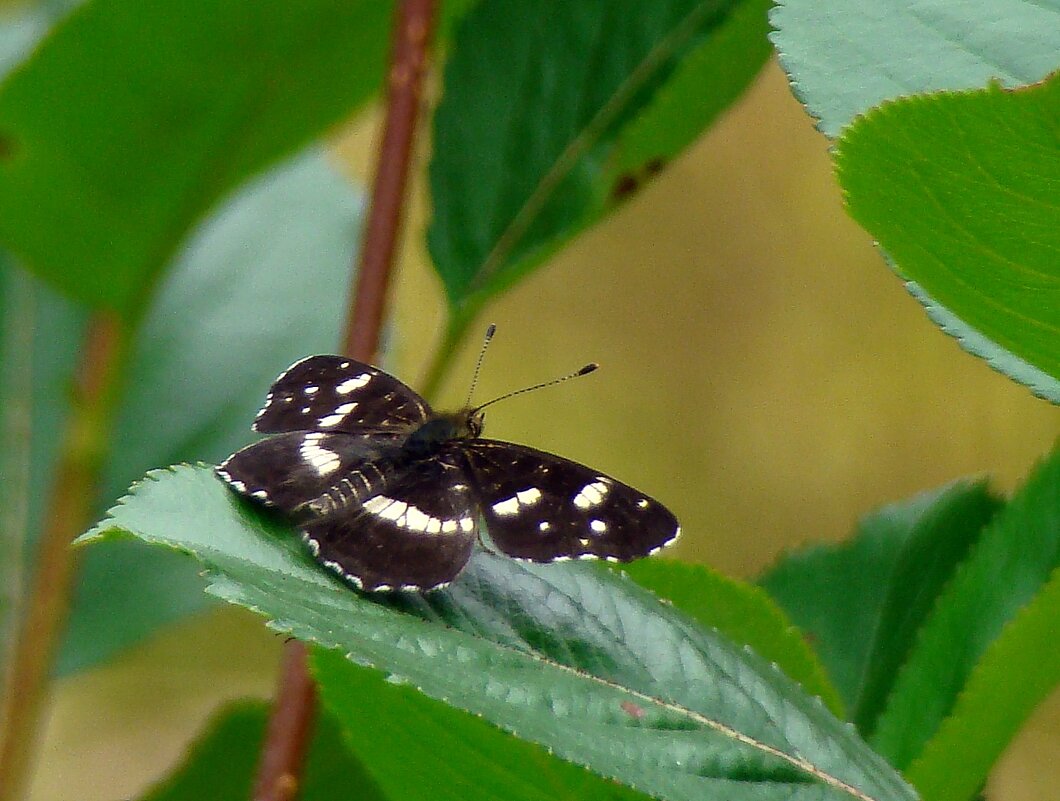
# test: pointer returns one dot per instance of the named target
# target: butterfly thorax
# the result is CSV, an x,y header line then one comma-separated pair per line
x,y
441,428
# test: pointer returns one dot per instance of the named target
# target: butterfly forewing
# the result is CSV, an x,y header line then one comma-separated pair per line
x,y
416,533
542,507
335,394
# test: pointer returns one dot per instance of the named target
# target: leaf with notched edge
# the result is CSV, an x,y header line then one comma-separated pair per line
x,y
557,654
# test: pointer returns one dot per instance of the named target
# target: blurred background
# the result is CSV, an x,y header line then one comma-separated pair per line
x,y
764,374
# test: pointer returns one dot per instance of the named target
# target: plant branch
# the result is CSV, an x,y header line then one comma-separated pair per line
x,y
412,33
69,513
290,725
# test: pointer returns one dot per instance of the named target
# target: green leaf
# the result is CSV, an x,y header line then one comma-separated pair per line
x,y
16,413
862,602
972,214
542,101
1011,564
742,612
704,84
259,285
845,57
582,662
133,118
222,764
1041,384
395,732
1017,672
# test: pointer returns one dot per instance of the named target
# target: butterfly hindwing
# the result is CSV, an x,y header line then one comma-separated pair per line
x,y
290,470
416,533
336,394
542,507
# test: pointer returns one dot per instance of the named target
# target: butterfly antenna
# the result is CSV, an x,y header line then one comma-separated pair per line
x,y
583,371
490,331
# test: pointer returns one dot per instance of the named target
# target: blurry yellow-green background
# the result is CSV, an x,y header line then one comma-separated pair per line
x,y
764,374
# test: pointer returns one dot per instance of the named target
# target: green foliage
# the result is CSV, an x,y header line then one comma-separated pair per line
x,y
396,731
102,174
219,290
937,623
973,220
1012,563
992,285
221,765
581,661
1017,672
861,602
550,110
847,57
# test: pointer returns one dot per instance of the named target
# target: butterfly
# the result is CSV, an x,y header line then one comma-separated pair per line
x,y
392,495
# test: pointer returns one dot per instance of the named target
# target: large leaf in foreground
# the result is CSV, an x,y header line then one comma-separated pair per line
x,y
538,97
1014,560
132,118
259,285
861,602
973,213
578,660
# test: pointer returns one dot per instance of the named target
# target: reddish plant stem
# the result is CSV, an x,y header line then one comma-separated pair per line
x,y
69,513
412,33
290,725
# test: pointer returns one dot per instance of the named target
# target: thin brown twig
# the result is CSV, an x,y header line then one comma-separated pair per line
x,y
412,33
74,491
290,725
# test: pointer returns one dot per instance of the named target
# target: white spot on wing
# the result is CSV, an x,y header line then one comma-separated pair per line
x,y
338,416
544,525
320,459
311,390
642,503
523,498
599,526
409,517
506,508
592,494
350,384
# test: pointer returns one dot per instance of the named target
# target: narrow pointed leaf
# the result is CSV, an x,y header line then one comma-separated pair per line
x,y
1017,672
1011,564
581,661
862,602
529,143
